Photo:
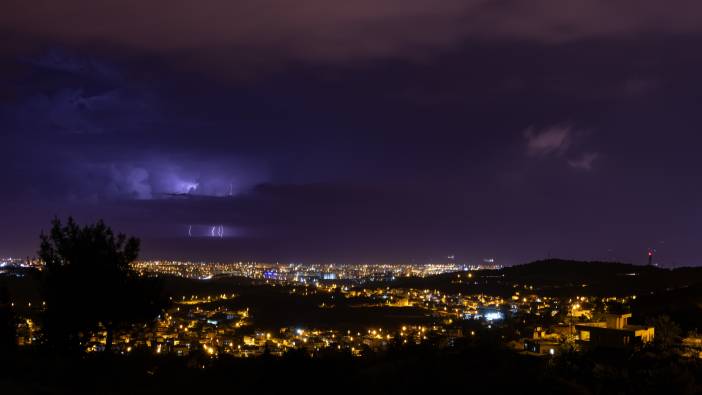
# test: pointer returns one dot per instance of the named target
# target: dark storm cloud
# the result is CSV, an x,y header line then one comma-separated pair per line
x,y
349,222
507,129
334,30
94,127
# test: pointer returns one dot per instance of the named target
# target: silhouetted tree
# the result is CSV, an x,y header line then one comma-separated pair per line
x,y
667,332
89,284
8,325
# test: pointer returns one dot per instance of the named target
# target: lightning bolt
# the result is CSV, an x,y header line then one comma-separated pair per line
x,y
213,231
221,231
190,231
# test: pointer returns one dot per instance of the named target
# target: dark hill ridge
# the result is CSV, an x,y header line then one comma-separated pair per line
x,y
563,277
563,268
562,273
558,272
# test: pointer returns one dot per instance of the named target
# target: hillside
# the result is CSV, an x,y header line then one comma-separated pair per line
x,y
563,277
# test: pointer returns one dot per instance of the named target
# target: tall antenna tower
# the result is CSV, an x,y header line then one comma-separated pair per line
x,y
651,251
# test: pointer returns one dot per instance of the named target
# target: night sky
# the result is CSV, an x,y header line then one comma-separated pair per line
x,y
357,131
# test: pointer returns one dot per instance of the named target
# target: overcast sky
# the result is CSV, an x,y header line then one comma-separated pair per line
x,y
357,131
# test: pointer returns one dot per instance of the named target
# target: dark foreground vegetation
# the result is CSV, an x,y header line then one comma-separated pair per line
x,y
470,368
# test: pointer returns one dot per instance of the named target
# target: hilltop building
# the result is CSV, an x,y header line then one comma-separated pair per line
x,y
614,332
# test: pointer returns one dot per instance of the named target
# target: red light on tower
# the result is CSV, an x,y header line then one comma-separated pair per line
x,y
650,255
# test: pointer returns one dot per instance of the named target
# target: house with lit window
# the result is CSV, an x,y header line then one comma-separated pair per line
x,y
614,332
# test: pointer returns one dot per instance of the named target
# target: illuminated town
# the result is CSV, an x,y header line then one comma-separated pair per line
x,y
302,273
217,324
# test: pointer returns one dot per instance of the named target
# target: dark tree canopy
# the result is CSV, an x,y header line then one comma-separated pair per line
x,y
667,332
8,325
88,283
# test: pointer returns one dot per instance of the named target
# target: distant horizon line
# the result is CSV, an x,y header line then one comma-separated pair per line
x,y
397,262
